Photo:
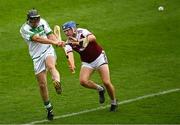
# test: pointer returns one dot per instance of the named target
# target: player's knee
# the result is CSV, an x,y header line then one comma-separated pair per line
x,y
83,81
42,85
106,83
51,67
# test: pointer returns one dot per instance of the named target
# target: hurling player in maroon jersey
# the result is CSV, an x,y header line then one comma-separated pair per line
x,y
93,58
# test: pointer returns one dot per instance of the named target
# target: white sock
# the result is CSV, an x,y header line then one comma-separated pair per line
x,y
99,88
47,104
114,102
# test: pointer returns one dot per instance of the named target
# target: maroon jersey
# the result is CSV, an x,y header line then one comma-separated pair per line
x,y
88,54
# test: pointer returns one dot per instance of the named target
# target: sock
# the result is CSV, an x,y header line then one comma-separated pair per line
x,y
100,88
48,105
114,102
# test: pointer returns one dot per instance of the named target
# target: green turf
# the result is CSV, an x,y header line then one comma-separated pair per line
x,y
143,49
156,110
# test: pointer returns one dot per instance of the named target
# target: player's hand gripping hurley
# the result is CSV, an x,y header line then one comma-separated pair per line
x,y
57,33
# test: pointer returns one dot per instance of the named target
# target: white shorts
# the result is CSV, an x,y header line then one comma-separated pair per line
x,y
39,63
101,60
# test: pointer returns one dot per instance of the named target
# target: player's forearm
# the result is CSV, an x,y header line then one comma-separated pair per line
x,y
40,39
70,57
52,37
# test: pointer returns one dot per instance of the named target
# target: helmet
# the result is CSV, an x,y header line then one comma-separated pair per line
x,y
32,14
69,25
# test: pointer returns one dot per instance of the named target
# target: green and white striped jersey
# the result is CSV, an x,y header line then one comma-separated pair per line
x,y
27,32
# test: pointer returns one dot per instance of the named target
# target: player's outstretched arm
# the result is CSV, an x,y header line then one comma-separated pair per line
x,y
70,57
52,37
37,38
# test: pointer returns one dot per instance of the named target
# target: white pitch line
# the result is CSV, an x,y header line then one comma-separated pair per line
x,y
104,107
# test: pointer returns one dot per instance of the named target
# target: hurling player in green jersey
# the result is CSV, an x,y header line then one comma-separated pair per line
x,y
40,38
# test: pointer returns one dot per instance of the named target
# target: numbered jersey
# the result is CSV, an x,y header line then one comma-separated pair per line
x,y
27,32
89,53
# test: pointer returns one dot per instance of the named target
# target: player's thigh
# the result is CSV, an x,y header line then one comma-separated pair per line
x,y
104,73
50,61
41,77
85,73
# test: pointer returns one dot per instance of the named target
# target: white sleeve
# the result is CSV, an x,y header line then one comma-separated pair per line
x,y
47,28
68,48
26,33
85,32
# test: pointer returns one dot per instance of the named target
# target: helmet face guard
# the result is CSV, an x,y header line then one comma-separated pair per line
x,y
34,20
69,25
33,17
